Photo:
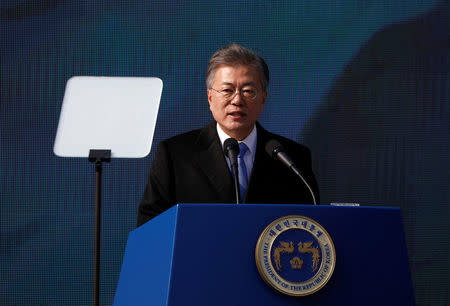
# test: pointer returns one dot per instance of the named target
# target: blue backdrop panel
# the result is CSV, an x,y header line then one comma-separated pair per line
x,y
365,84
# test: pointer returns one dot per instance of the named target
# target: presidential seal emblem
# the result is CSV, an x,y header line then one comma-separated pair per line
x,y
295,255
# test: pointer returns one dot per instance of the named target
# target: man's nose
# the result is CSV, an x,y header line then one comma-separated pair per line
x,y
237,99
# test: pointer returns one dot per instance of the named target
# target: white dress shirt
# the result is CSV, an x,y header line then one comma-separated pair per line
x,y
250,141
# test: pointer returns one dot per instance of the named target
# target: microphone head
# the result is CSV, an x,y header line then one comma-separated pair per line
x,y
230,145
273,147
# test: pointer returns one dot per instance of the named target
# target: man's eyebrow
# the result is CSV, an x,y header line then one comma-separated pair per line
x,y
245,84
249,83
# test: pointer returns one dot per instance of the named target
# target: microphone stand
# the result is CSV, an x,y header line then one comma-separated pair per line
x,y
231,149
306,184
236,182
276,151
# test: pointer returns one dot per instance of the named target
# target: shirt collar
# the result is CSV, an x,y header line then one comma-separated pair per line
x,y
250,140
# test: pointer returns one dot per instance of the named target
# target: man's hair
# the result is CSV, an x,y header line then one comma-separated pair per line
x,y
235,55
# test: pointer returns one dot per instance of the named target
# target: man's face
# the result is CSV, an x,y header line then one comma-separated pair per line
x,y
238,115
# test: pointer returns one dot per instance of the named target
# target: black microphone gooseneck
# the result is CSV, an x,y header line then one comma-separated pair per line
x,y
231,148
276,150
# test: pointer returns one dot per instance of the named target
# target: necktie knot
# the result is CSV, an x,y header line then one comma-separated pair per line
x,y
242,149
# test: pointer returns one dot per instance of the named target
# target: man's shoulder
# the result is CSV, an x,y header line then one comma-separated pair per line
x,y
190,138
186,137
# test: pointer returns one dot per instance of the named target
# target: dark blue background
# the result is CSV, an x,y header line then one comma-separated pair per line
x,y
365,84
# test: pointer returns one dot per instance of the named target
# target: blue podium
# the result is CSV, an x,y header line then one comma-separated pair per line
x,y
204,254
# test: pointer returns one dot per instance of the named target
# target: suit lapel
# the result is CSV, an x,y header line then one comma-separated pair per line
x,y
261,164
211,160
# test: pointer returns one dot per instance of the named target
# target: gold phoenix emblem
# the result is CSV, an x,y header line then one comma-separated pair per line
x,y
303,247
306,248
285,247
319,249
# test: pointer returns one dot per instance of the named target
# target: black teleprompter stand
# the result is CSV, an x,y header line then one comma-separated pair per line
x,y
97,157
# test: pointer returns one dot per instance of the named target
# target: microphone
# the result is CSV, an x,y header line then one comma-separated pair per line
x,y
276,151
231,148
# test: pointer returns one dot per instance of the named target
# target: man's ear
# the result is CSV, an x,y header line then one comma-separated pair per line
x,y
208,92
265,96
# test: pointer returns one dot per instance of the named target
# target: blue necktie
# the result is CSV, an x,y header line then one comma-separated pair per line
x,y
243,179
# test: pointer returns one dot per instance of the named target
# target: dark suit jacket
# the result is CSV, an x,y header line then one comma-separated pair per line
x,y
191,168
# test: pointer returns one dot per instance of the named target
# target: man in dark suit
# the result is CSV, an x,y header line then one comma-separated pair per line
x,y
192,167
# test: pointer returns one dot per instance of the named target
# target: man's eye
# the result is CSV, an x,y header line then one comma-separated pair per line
x,y
227,91
249,92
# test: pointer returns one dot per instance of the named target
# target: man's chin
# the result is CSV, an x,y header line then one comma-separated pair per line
x,y
236,126
238,130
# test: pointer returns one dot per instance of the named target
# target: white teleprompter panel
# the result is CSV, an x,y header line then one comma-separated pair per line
x,y
116,113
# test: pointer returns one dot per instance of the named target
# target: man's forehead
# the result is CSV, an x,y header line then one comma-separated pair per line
x,y
230,67
225,74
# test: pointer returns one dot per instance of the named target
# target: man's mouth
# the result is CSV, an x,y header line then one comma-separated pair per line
x,y
236,114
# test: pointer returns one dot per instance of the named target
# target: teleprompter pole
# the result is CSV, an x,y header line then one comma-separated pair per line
x,y
97,157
